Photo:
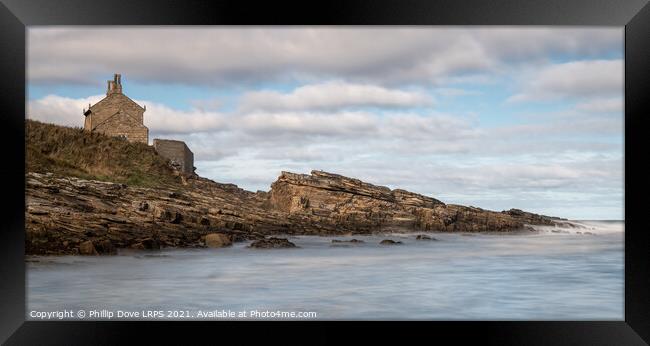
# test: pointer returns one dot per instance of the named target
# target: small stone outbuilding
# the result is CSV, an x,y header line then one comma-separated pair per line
x,y
177,152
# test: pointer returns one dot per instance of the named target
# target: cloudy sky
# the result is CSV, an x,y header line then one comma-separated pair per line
x,y
494,117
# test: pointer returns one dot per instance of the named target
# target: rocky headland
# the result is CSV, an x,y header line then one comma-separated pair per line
x,y
71,211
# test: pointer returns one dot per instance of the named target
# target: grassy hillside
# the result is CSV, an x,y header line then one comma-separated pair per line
x,y
74,152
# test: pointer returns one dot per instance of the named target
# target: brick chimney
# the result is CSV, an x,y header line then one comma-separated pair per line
x,y
115,85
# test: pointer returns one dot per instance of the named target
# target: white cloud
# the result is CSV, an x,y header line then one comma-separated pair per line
x,y
227,55
576,79
163,119
333,95
212,104
307,124
60,110
431,127
608,105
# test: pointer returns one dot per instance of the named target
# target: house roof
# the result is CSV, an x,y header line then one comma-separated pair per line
x,y
87,112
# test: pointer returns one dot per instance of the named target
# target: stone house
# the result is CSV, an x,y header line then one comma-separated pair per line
x,y
117,115
177,152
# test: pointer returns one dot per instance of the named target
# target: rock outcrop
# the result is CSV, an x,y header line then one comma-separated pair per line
x,y
272,243
64,213
356,206
389,242
216,240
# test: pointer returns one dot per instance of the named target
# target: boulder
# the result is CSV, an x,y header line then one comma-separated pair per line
x,y
347,241
216,240
389,242
272,243
87,248
424,237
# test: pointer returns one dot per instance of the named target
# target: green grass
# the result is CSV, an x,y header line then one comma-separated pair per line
x,y
68,151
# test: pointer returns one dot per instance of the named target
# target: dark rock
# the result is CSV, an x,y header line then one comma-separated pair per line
x,y
143,206
150,244
389,242
424,237
105,247
347,241
178,217
272,243
87,248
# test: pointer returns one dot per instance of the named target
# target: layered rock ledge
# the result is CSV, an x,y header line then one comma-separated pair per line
x,y
63,214
360,207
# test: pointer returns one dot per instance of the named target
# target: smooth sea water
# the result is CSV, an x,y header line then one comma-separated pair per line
x,y
553,274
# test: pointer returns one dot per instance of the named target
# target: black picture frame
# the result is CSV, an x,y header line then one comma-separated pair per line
x,y
15,15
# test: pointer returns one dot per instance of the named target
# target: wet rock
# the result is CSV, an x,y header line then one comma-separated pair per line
x,y
347,241
535,219
424,237
217,240
272,243
150,244
87,248
389,242
105,247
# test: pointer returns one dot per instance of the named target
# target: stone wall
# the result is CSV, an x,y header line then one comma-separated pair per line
x,y
122,125
177,152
